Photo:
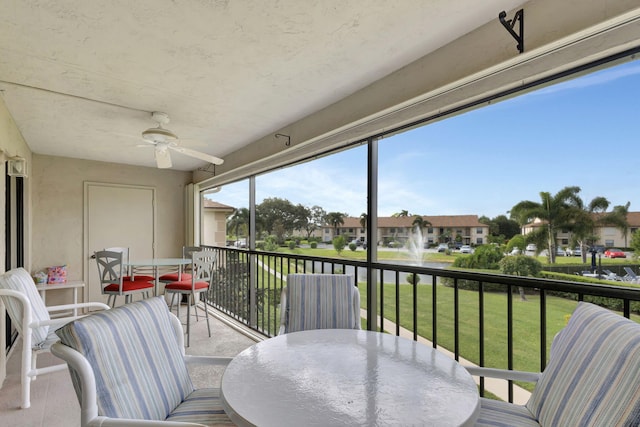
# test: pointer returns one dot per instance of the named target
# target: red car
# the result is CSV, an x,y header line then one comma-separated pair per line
x,y
614,253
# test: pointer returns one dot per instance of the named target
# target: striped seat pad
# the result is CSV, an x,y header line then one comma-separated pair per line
x,y
138,366
19,279
203,406
495,413
321,301
593,376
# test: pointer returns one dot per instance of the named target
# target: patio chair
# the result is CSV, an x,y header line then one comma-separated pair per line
x,y
128,367
202,272
129,273
33,321
175,276
319,301
112,272
610,275
631,276
592,378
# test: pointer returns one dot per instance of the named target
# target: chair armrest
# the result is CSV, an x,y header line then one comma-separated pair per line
x,y
78,305
207,360
504,374
120,422
283,310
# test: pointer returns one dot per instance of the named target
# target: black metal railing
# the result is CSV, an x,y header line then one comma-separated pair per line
x,y
466,312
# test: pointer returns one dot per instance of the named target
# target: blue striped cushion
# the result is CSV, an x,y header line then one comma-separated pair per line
x,y
593,378
321,301
496,413
139,369
202,406
20,280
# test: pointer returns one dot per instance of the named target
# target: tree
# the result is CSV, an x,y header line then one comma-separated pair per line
x,y
402,213
520,265
363,220
618,218
315,218
554,212
420,222
239,218
335,219
583,227
635,244
517,241
288,217
339,243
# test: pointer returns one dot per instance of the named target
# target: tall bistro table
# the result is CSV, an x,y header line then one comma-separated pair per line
x,y
344,377
156,263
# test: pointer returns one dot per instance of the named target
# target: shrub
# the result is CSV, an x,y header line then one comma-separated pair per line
x,y
353,246
292,244
409,278
339,243
313,244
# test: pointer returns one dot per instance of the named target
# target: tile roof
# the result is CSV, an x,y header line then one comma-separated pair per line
x,y
446,221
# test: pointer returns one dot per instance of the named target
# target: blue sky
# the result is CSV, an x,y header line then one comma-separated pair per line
x,y
583,132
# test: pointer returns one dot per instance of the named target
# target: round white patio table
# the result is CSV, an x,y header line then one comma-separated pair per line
x,y
346,377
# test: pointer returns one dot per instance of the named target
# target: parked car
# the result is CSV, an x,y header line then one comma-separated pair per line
x,y
531,247
466,249
597,248
515,251
560,251
577,251
614,253
442,247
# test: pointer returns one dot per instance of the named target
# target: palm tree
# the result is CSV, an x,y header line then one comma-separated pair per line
x,y
402,213
555,212
419,222
363,220
335,219
239,217
585,223
363,223
618,218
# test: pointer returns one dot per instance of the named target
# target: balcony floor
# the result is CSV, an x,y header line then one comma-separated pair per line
x,y
53,400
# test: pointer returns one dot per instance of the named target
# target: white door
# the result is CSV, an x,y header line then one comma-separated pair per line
x,y
116,215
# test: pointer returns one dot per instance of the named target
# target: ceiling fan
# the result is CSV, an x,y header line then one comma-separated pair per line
x,y
164,141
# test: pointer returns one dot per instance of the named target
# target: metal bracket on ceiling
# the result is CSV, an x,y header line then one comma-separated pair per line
x,y
207,169
509,24
288,143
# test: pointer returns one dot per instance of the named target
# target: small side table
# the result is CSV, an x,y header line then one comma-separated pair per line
x,y
74,284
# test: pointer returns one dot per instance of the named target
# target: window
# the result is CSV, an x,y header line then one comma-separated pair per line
x,y
430,230
479,240
479,230
609,243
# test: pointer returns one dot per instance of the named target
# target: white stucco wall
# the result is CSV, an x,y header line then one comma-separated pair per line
x,y
58,202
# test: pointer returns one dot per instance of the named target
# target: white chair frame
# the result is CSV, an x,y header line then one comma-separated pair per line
x,y
29,370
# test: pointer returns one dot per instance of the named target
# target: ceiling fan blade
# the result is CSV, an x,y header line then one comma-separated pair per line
x,y
198,155
163,158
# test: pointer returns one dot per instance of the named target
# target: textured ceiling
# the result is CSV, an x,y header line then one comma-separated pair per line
x,y
80,77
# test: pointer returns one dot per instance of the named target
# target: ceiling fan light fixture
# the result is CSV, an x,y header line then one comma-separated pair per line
x,y
159,134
